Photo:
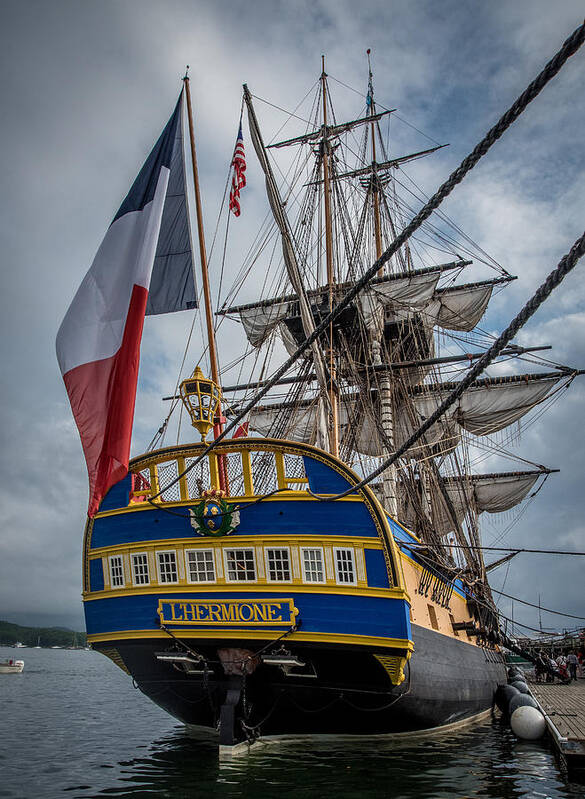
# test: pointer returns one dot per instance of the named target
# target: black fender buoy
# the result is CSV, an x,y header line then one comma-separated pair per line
x,y
514,672
504,695
521,686
522,700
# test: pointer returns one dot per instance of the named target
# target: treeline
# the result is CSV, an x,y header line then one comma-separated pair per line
x,y
44,636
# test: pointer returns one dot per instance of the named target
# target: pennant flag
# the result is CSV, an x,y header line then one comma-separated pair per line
x,y
238,178
144,265
242,430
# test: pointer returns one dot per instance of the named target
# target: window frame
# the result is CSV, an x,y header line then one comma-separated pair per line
x,y
119,558
146,564
188,566
351,550
267,564
303,567
160,552
228,579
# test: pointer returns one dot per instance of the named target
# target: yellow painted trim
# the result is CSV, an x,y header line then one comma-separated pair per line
x,y
280,478
204,542
247,470
273,588
213,470
154,484
183,487
288,495
329,638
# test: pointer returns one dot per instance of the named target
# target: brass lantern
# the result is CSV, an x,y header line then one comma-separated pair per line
x,y
201,397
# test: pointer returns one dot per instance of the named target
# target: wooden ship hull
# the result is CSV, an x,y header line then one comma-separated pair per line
x,y
336,626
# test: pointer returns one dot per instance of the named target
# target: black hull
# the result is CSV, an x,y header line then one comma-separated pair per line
x,y
446,681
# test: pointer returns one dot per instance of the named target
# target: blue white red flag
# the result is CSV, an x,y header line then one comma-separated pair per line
x,y
144,265
238,177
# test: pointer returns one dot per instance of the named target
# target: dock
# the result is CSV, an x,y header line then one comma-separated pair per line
x,y
564,710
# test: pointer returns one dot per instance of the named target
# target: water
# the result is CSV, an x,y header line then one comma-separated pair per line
x,y
71,725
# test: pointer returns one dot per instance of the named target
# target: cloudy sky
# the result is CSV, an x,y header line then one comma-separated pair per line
x,y
86,89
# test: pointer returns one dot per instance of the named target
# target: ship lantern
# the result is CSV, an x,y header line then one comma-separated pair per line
x,y
201,397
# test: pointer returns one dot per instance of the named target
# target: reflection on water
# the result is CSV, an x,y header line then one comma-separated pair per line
x,y
72,724
484,761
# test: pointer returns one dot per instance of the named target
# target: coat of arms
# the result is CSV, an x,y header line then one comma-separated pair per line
x,y
213,516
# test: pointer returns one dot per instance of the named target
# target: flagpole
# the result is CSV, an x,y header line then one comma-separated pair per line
x,y
202,250
218,424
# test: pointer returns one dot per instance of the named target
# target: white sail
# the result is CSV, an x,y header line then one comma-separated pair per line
x,y
304,424
492,493
460,307
260,321
482,410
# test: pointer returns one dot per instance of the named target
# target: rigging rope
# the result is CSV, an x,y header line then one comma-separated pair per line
x,y
569,48
532,605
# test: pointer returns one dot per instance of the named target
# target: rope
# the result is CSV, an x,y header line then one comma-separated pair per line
x,y
416,547
568,49
532,605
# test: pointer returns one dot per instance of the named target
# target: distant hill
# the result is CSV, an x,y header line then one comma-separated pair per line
x,y
45,636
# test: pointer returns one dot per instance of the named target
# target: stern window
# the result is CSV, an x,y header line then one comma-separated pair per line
x,y
140,569
167,567
313,571
116,571
200,566
344,566
240,565
278,565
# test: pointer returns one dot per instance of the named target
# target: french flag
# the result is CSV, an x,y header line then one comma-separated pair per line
x,y
143,266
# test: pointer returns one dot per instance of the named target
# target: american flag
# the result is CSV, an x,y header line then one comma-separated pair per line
x,y
238,178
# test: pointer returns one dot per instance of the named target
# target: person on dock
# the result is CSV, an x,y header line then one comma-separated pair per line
x,y
540,666
572,665
552,669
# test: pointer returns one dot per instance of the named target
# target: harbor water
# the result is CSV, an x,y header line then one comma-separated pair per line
x,y
72,725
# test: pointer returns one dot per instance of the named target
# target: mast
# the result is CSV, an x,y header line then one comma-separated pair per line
x,y
386,404
218,421
333,398
374,181
202,251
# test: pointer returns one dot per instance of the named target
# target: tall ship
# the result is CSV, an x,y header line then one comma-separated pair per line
x,y
253,583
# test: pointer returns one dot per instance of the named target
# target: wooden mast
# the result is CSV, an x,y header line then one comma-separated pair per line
x,y
375,184
219,419
334,422
385,387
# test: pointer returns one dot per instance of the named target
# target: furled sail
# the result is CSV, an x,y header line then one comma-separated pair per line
x,y
489,493
260,321
486,407
396,298
460,307
290,260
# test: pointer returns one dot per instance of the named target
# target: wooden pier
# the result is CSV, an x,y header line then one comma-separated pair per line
x,y
564,710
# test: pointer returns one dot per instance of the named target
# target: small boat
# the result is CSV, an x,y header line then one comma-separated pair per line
x,y
11,666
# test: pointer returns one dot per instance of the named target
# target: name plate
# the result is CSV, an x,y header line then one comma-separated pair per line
x,y
227,611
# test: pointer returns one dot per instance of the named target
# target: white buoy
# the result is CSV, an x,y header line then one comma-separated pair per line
x,y
528,723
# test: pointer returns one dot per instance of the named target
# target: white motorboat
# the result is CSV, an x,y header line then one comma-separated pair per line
x,y
11,666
